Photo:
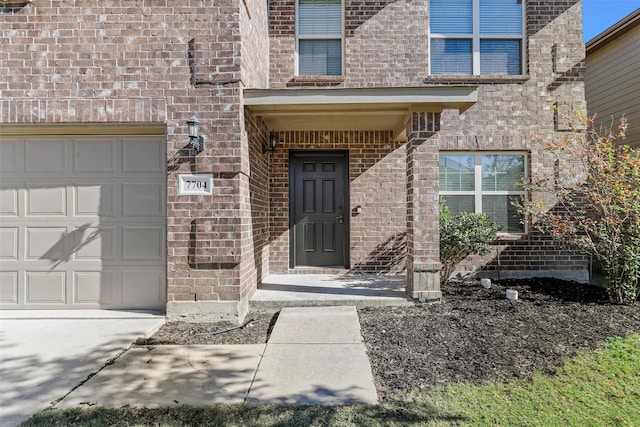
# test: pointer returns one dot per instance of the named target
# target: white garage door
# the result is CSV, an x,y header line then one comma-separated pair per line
x,y
82,222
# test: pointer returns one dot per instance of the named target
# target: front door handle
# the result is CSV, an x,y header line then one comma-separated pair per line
x,y
340,219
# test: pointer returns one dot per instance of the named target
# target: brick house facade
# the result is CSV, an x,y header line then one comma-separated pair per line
x,y
118,70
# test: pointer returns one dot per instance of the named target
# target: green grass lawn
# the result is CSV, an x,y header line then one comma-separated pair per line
x,y
595,389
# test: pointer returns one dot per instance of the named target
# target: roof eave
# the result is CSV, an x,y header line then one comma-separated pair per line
x,y
384,109
618,29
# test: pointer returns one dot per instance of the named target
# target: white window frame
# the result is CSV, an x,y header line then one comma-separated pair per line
x,y
340,37
475,38
477,180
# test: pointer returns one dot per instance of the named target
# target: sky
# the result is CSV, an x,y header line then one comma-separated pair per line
x,y
598,15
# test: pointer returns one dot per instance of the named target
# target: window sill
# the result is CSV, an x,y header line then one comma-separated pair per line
x,y
459,79
316,81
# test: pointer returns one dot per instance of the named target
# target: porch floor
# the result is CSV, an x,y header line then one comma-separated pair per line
x,y
304,290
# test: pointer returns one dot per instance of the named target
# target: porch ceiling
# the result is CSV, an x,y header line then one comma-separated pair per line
x,y
385,109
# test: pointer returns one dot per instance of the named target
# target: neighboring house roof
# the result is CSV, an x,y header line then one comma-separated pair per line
x,y
613,32
612,78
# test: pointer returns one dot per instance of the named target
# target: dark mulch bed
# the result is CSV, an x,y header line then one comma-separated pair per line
x,y
474,335
255,331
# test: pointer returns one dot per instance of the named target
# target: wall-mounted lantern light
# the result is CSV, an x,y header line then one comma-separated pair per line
x,y
195,139
273,142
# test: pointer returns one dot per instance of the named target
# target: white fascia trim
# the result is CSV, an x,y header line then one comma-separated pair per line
x,y
441,95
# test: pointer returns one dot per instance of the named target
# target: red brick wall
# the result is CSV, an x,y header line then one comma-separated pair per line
x,y
386,45
378,183
254,22
533,251
253,202
256,264
385,42
135,61
377,175
423,238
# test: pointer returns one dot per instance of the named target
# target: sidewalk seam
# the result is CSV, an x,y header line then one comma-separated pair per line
x,y
255,373
109,362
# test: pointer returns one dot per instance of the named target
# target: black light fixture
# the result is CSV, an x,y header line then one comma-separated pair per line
x,y
273,142
195,139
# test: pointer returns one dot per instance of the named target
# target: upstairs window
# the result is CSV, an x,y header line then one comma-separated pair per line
x,y
485,182
319,37
476,36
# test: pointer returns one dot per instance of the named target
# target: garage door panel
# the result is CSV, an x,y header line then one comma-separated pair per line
x,y
95,200
95,243
47,243
78,225
139,156
143,199
9,287
96,287
139,287
46,199
47,155
8,200
9,243
45,287
142,243
9,157
94,156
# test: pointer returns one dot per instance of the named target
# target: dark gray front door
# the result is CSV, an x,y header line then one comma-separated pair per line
x,y
318,209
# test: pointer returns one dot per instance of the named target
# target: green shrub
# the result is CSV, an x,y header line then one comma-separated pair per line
x,y
462,235
599,213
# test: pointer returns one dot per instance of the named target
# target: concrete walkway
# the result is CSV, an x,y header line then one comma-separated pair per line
x,y
44,354
315,355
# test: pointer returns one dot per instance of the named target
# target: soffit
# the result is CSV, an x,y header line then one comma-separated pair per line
x,y
378,109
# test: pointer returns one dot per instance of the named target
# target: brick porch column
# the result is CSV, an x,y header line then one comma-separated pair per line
x,y
423,234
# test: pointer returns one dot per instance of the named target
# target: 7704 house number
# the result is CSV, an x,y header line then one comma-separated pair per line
x,y
201,184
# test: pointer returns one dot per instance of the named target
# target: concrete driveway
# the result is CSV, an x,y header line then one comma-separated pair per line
x,y
45,354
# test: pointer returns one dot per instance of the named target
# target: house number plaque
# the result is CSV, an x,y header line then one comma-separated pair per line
x,y
201,184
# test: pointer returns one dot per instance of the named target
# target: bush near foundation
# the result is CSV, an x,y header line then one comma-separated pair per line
x,y
462,235
592,202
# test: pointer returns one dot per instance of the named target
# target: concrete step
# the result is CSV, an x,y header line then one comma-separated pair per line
x,y
311,290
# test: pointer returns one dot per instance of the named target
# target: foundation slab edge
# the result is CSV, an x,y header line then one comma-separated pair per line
x,y
206,311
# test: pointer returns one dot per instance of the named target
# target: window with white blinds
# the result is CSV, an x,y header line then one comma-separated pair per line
x,y
476,36
319,37
451,56
485,182
451,16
